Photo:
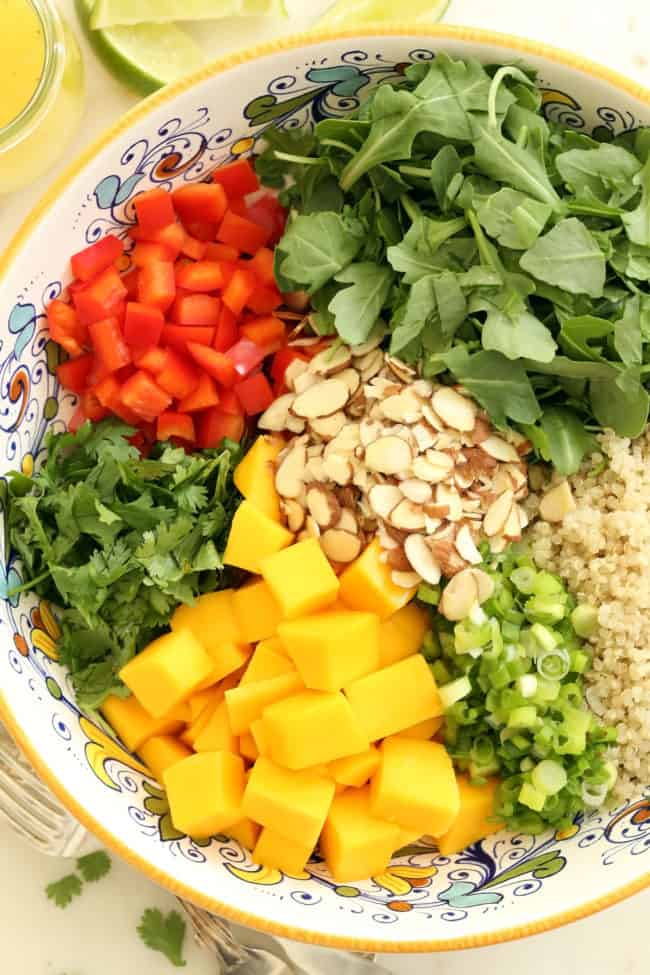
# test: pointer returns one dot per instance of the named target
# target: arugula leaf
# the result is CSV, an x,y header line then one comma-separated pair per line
x,y
94,866
566,439
420,307
316,247
357,308
164,933
625,412
516,333
606,172
452,306
513,218
628,340
500,385
568,257
419,253
637,223
444,167
578,333
62,892
507,162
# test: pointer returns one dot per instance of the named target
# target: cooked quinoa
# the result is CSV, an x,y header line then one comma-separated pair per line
x,y
602,550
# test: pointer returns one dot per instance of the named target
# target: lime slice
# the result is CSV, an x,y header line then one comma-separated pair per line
x,y
118,13
344,13
145,56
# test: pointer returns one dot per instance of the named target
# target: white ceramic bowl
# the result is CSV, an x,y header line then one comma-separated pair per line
x,y
505,887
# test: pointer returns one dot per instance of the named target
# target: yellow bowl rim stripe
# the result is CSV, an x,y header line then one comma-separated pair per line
x,y
139,111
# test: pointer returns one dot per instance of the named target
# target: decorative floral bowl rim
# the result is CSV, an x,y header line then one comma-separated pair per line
x,y
139,112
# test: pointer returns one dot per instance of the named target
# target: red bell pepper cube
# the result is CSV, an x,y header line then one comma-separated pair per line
x,y
171,424
247,355
193,309
145,253
267,212
66,329
242,233
193,248
237,178
216,364
238,206
254,394
264,300
177,336
239,289
227,331
264,331
201,229
282,359
172,237
220,252
145,397
214,425
102,297
153,359
154,210
228,269
262,265
179,376
157,285
74,374
92,408
143,324
228,402
200,201
204,396
111,351
199,276
96,258
108,393
130,282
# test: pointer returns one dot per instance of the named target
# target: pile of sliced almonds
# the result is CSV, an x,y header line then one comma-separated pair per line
x,y
378,451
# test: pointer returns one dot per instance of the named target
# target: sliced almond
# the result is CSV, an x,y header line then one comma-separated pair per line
x,y
357,405
289,477
304,381
323,506
328,427
295,368
340,546
498,544
275,417
405,407
346,441
416,490
372,342
405,580
523,517
370,430
294,514
459,596
497,514
449,496
338,469
423,436
380,387
435,510
455,410
557,502
425,471
481,430
500,449
295,424
388,455
407,516
421,559
383,498
432,417
347,522
423,388
315,469
369,364
331,360
431,524
512,527
445,554
397,559
484,584
360,476
403,372
385,540
321,399
312,527
351,378
466,547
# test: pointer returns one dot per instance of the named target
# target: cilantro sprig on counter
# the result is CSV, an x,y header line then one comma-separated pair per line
x,y
118,540
164,933
92,867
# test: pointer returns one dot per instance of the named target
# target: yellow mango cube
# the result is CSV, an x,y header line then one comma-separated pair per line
x,y
355,844
194,729
301,579
160,753
133,724
395,698
202,699
205,793
256,610
355,770
423,729
279,853
333,648
181,712
311,728
245,832
246,704
228,657
367,585
253,536
475,819
247,747
216,735
266,662
415,786
167,672
293,804
211,619
255,475
260,737
401,635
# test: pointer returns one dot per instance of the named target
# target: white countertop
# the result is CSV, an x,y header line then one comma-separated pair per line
x,y
96,934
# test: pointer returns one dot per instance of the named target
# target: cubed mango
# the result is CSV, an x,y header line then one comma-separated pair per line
x,y
301,579
133,724
355,844
256,610
181,712
423,729
227,657
168,671
255,475
402,633
160,753
246,704
311,728
194,729
475,819
211,619
260,737
216,735
279,853
266,662
415,786
294,804
245,832
205,793
355,770
395,697
247,747
333,648
201,699
367,585
253,536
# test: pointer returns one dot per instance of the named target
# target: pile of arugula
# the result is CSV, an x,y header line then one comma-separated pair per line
x,y
495,244
118,541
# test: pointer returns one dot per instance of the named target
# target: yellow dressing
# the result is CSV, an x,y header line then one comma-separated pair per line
x,y
22,56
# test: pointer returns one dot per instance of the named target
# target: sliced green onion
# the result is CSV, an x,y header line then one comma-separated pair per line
x,y
440,672
523,579
580,662
549,777
454,691
545,637
428,594
523,717
548,690
593,795
553,664
584,619
546,584
527,764
482,751
531,797
545,609
527,685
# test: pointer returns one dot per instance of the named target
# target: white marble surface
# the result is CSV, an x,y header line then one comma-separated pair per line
x,y
96,935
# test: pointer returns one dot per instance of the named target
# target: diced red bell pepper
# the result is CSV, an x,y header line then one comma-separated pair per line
x,y
254,394
228,402
242,233
227,331
130,282
238,178
108,393
92,408
216,364
143,324
193,248
247,355
228,269
145,253
94,259
77,419
201,229
153,359
282,359
239,289
172,237
177,336
268,212
154,210
102,297
238,206
264,331
204,396
264,300
199,276
171,424
214,425
74,374
220,252
196,309
66,329
179,376
200,201
157,285
145,397
262,265
111,351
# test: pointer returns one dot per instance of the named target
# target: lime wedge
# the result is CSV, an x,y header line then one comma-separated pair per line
x,y
344,13
124,13
145,56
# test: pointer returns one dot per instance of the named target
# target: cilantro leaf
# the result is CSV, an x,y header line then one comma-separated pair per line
x,y
62,892
164,933
94,866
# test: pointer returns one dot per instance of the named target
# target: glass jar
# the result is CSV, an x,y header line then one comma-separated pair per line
x,y
41,89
